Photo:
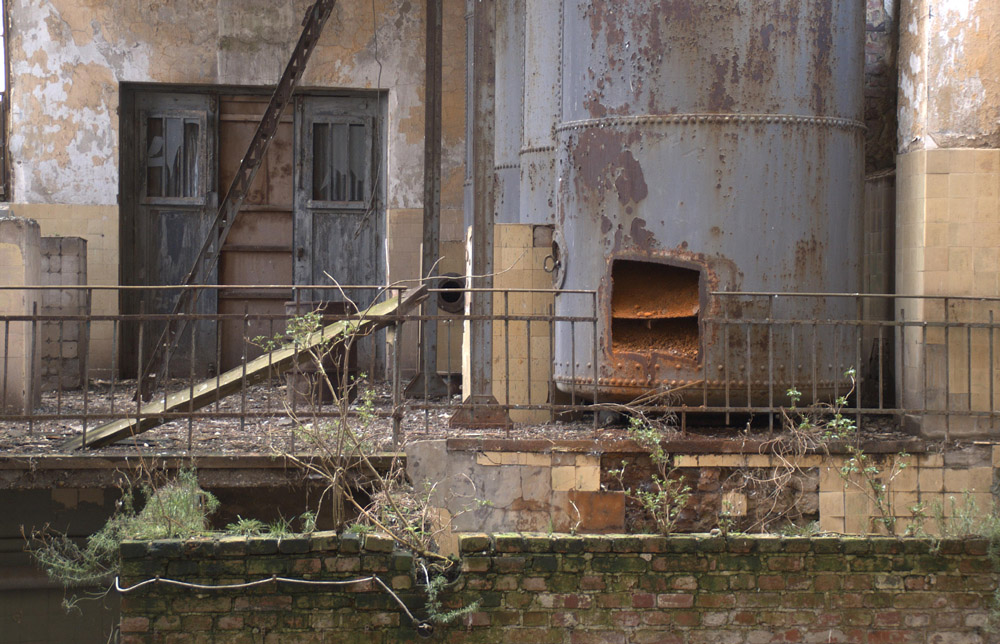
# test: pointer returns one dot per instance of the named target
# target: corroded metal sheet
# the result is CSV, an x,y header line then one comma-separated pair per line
x,y
721,138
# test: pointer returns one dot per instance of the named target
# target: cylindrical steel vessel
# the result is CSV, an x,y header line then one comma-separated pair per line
x,y
707,146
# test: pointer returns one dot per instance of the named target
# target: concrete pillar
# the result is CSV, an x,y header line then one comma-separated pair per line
x,y
948,213
20,264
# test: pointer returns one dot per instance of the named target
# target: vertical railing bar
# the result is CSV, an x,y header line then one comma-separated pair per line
x,y
6,361
291,383
858,331
270,369
448,325
166,374
770,364
33,357
527,340
572,365
506,350
749,365
218,363
815,364
968,361
881,375
901,403
923,344
991,374
138,375
59,366
191,377
703,354
243,373
947,370
793,365
725,356
114,361
552,351
88,303
838,368
593,328
396,371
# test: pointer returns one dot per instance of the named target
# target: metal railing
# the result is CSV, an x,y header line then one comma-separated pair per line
x,y
929,361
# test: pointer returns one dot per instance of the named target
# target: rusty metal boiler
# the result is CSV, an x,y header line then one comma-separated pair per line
x,y
707,145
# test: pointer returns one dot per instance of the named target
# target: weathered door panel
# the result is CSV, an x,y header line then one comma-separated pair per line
x,y
339,224
173,177
258,250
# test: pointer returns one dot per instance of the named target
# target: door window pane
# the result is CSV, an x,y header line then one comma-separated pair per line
x,y
172,154
340,162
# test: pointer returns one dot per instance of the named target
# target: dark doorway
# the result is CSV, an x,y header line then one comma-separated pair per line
x,y
315,208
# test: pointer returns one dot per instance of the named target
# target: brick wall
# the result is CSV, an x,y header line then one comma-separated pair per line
x,y
572,589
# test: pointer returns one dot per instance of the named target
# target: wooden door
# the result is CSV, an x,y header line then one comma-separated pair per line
x,y
170,200
339,224
258,250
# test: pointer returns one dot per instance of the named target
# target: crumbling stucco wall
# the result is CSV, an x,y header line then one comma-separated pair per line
x,y
949,74
67,59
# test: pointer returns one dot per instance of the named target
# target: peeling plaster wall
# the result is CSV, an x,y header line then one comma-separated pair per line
x,y
67,58
949,74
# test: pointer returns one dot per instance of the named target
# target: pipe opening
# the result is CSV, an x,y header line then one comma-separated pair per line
x,y
654,308
452,296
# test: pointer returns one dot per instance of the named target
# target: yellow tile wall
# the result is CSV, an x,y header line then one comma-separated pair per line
x,y
947,238
99,226
404,239
522,355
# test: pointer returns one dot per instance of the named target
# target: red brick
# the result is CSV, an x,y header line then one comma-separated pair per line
x,y
229,622
134,624
771,582
263,602
643,600
478,618
675,600
578,601
592,582
596,637
533,583
827,581
625,618
535,618
306,566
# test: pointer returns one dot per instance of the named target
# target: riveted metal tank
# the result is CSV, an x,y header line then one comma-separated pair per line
x,y
707,145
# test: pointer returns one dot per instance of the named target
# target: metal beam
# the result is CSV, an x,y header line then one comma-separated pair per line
x,y
427,383
485,411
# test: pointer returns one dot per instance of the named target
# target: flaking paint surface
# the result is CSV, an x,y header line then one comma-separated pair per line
x,y
949,74
67,58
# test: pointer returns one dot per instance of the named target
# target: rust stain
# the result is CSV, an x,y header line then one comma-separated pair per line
x,y
603,161
641,237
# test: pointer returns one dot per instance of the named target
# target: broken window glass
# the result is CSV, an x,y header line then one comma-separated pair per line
x,y
340,162
172,156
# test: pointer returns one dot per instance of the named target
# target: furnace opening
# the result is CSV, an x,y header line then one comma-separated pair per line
x,y
654,307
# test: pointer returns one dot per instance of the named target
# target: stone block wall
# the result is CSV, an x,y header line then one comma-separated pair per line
x,y
563,589
64,343
20,240
485,485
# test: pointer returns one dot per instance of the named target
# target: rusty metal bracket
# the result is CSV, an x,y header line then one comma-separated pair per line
x,y
315,18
